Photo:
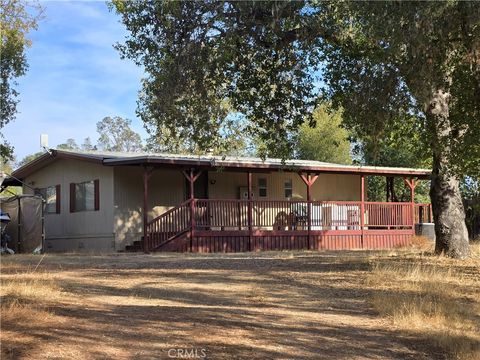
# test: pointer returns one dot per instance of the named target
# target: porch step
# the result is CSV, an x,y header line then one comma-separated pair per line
x,y
135,247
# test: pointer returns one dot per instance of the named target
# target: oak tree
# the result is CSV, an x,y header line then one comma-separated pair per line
x,y
116,135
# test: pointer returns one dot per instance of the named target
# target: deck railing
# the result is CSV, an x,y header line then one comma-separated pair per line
x,y
282,215
213,214
423,213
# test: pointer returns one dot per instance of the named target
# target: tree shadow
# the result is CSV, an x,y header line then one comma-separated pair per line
x,y
263,306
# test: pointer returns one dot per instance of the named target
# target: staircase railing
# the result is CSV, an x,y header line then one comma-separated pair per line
x,y
167,226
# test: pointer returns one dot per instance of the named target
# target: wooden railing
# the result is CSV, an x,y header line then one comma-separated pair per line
x,y
167,226
212,214
221,214
281,215
379,215
423,213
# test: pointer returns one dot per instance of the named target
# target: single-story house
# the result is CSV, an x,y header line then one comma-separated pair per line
x,y
100,201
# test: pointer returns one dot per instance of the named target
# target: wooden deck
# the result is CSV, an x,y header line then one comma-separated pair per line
x,y
210,225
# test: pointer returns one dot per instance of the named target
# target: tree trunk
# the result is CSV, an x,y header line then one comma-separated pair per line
x,y
448,212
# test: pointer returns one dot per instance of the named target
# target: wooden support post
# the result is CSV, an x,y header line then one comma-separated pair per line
x,y
412,184
191,177
309,212
147,172
19,226
192,208
249,197
309,181
362,208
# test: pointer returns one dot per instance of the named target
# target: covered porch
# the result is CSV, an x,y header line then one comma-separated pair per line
x,y
249,223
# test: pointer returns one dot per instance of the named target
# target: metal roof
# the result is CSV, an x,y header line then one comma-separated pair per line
x,y
215,162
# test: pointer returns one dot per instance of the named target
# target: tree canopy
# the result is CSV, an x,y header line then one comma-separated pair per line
x,y
70,144
197,55
116,135
17,19
327,141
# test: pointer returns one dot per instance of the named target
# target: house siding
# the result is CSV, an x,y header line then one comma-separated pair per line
x,y
226,185
77,231
166,189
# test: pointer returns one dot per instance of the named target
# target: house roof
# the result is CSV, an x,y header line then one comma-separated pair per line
x,y
231,163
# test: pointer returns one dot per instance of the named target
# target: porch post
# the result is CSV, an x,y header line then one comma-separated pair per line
x,y
412,184
309,181
309,213
192,208
362,208
145,242
249,197
191,179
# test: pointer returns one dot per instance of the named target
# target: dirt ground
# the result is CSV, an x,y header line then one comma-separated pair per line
x,y
275,305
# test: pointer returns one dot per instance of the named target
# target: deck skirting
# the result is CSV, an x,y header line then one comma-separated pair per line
x,y
241,241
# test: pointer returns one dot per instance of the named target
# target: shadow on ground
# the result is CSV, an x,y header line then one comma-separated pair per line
x,y
249,306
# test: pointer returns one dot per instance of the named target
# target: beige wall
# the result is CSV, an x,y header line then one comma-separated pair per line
x,y
166,189
327,187
78,231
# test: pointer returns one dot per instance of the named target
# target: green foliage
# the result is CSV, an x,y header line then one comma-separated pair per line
x,y
17,19
6,167
87,145
401,145
29,158
327,141
116,135
199,55
70,144
471,195
382,63
393,57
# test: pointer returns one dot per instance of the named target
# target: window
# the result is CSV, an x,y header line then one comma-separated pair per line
x,y
262,187
84,196
288,188
51,195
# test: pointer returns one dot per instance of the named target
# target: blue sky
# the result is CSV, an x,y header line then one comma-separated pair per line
x,y
75,78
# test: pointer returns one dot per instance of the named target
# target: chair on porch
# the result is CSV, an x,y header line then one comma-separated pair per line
x,y
299,215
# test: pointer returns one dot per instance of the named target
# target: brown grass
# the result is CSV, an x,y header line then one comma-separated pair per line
x,y
434,298
246,306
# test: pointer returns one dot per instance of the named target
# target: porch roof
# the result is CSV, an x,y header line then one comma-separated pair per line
x,y
212,162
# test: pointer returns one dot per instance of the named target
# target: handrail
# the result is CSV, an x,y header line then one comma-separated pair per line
x,y
169,211
168,226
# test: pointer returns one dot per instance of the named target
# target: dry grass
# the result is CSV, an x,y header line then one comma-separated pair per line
x,y
434,298
274,305
25,299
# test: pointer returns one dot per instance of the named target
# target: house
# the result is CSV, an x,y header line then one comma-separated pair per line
x,y
112,201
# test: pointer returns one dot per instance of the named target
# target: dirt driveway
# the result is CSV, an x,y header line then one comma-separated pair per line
x,y
235,306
